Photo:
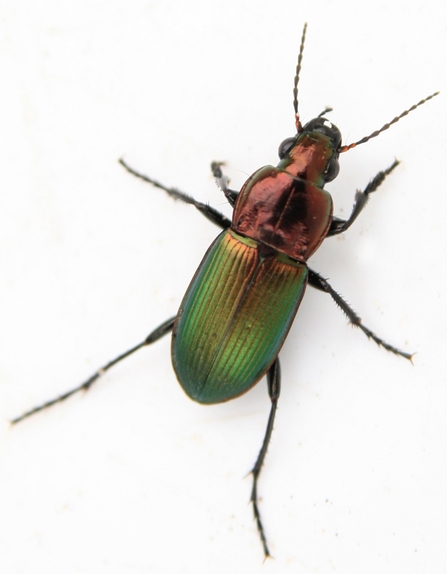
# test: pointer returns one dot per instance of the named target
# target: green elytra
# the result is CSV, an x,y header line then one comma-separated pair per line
x,y
234,318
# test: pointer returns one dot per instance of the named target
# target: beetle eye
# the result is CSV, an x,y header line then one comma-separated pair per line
x,y
332,169
285,147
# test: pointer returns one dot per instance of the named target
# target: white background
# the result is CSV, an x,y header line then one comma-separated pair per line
x,y
133,477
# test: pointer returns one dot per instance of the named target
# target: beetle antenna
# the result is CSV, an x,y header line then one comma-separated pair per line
x,y
299,127
386,126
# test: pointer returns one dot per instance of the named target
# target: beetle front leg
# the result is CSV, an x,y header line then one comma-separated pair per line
x,y
274,389
209,212
361,199
317,281
222,181
158,333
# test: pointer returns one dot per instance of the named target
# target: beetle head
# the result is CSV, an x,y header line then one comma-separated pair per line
x,y
319,139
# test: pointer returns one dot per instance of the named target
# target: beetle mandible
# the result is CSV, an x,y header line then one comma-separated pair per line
x,y
240,304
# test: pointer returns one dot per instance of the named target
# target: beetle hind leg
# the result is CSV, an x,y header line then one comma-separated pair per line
x,y
274,388
158,333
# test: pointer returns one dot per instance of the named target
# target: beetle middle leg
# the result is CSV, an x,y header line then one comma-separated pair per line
x,y
317,281
361,199
274,389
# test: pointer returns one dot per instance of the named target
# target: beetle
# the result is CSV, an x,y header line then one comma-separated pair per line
x,y
241,302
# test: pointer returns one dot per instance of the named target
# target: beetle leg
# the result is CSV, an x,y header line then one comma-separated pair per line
x,y
361,199
209,212
158,333
317,281
222,181
274,388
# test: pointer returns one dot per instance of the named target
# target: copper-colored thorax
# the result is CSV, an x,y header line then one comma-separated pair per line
x,y
284,207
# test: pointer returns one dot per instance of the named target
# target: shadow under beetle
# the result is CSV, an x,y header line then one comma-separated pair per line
x,y
243,299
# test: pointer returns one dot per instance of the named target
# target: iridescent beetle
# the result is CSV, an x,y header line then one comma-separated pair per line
x,y
243,299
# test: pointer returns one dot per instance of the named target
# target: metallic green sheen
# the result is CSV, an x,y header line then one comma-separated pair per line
x,y
234,318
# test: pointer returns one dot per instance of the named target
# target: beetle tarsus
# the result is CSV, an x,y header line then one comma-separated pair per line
x,y
222,181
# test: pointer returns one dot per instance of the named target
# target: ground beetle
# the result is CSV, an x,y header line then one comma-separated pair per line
x,y
243,299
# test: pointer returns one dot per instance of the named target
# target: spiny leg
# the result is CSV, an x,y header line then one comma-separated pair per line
x,y
222,181
317,281
361,199
274,389
209,212
158,333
